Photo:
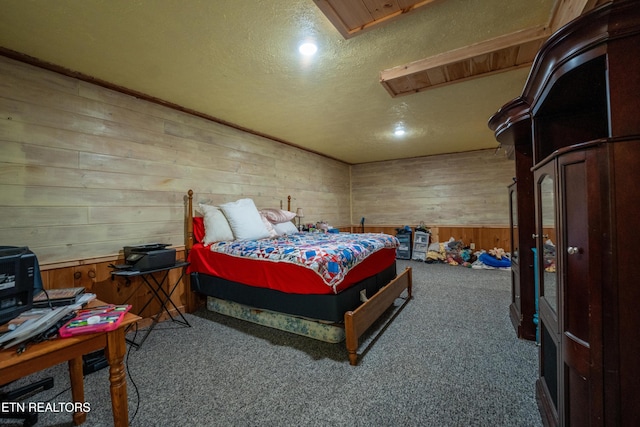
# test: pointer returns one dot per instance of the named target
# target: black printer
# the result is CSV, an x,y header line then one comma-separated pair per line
x,y
149,256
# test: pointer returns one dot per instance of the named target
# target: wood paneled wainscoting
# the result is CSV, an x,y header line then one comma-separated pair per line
x,y
482,236
94,275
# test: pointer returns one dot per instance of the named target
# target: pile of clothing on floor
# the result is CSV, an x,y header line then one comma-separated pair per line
x,y
549,256
454,252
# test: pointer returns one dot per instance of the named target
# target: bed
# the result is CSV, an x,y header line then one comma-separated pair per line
x,y
309,283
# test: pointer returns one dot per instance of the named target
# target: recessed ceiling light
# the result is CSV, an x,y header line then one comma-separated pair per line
x,y
399,132
308,49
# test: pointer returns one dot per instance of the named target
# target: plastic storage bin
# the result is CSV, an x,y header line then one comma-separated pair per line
x,y
420,245
404,250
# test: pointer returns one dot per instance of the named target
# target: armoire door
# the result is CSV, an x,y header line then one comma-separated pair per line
x,y
515,309
549,384
582,404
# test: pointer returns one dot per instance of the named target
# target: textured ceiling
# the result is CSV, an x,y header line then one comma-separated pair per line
x,y
237,61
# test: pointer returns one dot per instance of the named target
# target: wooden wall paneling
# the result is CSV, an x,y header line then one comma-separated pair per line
x,y
57,278
482,237
445,233
101,238
19,153
86,276
40,94
455,189
20,216
118,291
495,238
97,169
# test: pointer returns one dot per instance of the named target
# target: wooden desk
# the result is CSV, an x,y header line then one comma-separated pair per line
x,y
50,353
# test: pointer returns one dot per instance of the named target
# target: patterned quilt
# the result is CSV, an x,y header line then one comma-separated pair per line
x,y
331,255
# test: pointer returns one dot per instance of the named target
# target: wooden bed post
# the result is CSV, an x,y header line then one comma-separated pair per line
x,y
192,301
188,244
289,203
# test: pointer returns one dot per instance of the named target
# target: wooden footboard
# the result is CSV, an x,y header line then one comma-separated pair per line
x,y
358,321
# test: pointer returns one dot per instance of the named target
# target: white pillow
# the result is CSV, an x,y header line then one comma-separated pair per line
x,y
216,226
285,228
244,220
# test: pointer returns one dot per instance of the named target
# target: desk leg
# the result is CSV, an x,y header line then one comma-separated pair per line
x,y
77,388
115,351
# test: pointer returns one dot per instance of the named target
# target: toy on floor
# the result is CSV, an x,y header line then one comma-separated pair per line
x,y
498,253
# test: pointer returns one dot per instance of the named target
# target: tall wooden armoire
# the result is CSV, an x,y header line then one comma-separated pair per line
x,y
580,113
513,129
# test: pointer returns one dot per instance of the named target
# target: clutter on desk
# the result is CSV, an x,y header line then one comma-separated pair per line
x,y
40,324
37,327
102,318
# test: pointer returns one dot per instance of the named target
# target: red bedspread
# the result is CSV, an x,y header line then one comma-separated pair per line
x,y
283,276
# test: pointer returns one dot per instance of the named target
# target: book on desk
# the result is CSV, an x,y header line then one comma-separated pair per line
x,y
57,297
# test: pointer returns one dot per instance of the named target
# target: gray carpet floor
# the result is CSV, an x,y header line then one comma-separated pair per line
x,y
449,358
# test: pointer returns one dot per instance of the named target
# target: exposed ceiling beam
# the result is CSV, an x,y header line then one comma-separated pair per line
x,y
352,17
503,53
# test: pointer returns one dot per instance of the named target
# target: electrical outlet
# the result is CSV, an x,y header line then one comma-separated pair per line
x,y
472,246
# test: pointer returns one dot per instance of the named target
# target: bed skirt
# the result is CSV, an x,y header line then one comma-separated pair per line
x,y
328,308
327,332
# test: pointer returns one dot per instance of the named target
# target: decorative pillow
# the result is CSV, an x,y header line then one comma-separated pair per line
x,y
283,228
276,216
244,220
216,227
268,225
